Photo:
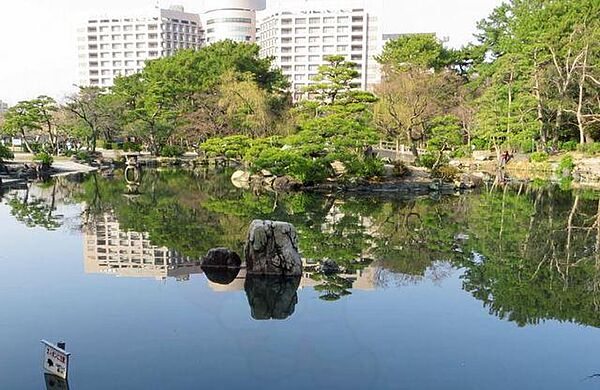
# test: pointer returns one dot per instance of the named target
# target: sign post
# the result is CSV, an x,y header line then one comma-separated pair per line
x,y
56,359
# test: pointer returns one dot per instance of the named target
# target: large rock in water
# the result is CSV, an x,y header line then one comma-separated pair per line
x,y
272,249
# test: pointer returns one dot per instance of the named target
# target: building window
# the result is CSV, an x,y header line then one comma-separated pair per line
x,y
230,20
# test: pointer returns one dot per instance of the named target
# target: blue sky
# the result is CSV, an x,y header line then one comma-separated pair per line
x,y
41,58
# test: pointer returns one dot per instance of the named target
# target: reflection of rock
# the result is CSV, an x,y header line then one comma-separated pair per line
x,y
221,265
236,285
222,258
272,297
222,276
272,249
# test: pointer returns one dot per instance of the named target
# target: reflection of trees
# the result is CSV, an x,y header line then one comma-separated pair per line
x,y
529,253
169,208
36,211
539,255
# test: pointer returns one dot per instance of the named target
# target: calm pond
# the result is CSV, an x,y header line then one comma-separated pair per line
x,y
494,290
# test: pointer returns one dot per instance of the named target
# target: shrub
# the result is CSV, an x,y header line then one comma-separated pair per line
x,y
5,153
259,145
463,151
288,162
400,169
171,151
44,159
131,147
35,147
538,157
566,183
569,146
83,155
593,148
428,159
566,164
446,173
235,146
372,167
480,144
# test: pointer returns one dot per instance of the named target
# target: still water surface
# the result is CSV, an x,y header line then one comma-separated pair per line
x,y
496,290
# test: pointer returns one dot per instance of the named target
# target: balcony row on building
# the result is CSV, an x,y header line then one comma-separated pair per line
x,y
299,41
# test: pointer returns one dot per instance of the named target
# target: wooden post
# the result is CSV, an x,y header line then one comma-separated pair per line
x,y
397,149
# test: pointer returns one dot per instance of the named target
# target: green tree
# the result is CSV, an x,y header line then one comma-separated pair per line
x,y
97,114
416,51
32,117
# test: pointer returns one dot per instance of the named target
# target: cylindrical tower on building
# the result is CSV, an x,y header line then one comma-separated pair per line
x,y
231,19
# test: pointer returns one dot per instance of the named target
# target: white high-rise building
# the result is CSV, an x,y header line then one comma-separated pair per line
x,y
231,19
3,107
301,40
110,46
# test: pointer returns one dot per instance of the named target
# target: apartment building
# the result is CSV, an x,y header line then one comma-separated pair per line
x,y
3,107
121,45
301,40
231,19
108,249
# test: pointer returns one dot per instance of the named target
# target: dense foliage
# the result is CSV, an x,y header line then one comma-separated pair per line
x,y
530,83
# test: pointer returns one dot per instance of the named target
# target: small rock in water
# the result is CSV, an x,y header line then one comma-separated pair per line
x,y
222,258
240,179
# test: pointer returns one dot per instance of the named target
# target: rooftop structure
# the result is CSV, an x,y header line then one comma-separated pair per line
x,y
231,19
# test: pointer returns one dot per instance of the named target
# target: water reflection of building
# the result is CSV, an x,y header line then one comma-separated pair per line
x,y
364,279
108,249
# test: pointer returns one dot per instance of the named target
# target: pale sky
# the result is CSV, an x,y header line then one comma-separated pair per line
x,y
38,38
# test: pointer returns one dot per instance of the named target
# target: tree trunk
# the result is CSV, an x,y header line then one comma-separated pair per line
x,y
580,119
538,98
25,142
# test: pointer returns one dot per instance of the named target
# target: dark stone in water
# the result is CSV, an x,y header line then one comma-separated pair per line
x,y
221,258
272,297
